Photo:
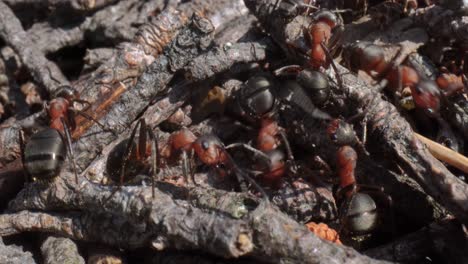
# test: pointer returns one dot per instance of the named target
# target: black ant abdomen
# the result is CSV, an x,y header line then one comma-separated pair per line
x,y
44,154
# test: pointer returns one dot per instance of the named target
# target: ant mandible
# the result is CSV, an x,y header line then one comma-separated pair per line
x,y
44,153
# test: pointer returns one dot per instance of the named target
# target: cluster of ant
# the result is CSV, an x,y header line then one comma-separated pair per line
x,y
257,100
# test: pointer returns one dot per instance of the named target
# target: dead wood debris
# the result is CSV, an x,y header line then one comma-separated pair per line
x,y
385,124
132,219
60,250
151,59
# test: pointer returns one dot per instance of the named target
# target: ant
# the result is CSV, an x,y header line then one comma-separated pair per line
x,y
44,153
257,101
370,58
210,151
450,83
324,31
358,209
128,158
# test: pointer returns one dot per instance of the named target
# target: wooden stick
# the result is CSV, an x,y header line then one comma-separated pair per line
x,y
445,154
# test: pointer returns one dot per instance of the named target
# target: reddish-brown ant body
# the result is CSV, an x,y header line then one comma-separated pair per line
x,y
426,95
450,83
210,151
45,152
319,33
258,101
359,213
370,58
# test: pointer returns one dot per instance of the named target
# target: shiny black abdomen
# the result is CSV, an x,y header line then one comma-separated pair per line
x,y
44,154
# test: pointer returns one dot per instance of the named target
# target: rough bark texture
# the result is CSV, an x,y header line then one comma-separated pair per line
x,y
60,250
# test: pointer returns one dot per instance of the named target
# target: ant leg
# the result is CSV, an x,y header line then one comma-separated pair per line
x,y
446,135
127,153
287,70
69,147
85,115
192,166
85,103
27,177
154,158
348,192
330,59
185,166
255,151
241,174
292,164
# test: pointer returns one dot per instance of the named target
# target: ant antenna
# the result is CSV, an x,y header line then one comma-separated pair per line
x,y
330,59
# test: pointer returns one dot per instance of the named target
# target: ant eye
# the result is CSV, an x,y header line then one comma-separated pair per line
x,y
334,137
205,145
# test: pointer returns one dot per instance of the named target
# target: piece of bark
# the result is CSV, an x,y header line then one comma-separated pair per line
x,y
42,70
383,120
60,250
128,64
223,58
193,40
447,239
12,254
77,5
96,57
131,218
104,255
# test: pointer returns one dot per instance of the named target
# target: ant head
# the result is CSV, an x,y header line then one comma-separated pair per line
x,y
426,95
341,133
361,217
210,149
67,92
315,84
328,17
257,98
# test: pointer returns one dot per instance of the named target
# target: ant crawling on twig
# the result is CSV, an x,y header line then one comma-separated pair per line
x,y
44,153
358,210
370,58
210,151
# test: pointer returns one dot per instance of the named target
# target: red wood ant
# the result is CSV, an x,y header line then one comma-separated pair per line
x,y
128,158
450,83
210,151
370,58
44,153
319,33
358,209
258,101
425,92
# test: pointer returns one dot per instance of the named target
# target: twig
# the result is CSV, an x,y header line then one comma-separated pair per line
x,y
446,238
385,122
60,250
14,255
43,71
445,154
133,219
